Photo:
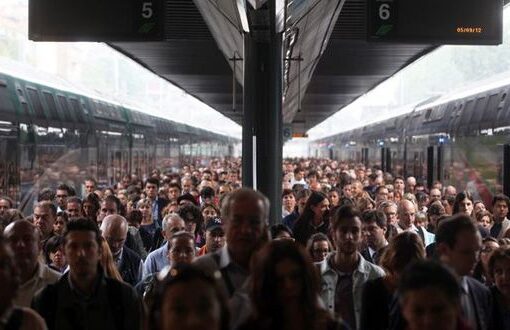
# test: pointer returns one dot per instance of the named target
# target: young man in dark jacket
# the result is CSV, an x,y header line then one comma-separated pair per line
x,y
84,298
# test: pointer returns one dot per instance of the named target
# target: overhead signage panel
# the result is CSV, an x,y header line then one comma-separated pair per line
x,y
96,20
474,22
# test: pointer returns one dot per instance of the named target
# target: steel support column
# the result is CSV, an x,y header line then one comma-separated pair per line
x,y
262,118
506,169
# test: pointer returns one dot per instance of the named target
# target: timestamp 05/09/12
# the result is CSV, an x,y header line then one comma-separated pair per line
x,y
477,30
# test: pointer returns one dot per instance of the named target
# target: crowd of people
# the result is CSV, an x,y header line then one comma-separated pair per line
x,y
355,248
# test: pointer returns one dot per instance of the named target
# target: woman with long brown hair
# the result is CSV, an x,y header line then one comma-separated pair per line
x,y
314,219
402,250
284,291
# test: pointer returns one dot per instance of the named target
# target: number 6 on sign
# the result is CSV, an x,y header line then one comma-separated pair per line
x,y
147,11
384,11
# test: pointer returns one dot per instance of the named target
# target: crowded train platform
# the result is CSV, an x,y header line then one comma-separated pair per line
x,y
356,248
147,183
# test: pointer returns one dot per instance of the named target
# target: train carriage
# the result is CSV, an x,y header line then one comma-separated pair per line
x,y
51,134
462,139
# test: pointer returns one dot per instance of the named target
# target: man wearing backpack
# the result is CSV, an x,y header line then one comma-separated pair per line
x,y
84,298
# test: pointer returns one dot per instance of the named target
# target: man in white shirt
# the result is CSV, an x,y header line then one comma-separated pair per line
x,y
406,217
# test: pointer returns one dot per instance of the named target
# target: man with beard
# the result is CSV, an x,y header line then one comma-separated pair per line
x,y
346,271
84,298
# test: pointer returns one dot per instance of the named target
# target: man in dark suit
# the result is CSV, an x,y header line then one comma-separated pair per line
x,y
158,204
374,230
458,244
114,229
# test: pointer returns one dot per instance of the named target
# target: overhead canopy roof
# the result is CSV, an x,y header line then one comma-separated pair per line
x,y
338,65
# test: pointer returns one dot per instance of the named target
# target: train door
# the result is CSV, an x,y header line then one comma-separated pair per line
x,y
419,165
9,168
386,164
436,164
430,166
27,165
364,156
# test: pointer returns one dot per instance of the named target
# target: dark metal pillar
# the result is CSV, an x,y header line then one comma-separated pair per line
x,y
383,159
440,165
506,169
388,161
430,166
262,118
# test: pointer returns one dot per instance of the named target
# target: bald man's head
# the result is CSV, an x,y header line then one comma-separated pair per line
x,y
406,214
114,229
24,239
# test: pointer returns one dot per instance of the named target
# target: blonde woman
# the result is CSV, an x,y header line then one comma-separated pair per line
x,y
109,266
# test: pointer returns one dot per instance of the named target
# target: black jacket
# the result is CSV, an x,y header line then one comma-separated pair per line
x,y
366,254
303,229
114,305
481,298
162,203
376,302
130,266
499,310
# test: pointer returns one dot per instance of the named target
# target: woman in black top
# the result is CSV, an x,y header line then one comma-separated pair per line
x,y
499,270
284,291
378,294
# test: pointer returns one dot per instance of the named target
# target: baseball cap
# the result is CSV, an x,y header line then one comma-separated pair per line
x,y
213,224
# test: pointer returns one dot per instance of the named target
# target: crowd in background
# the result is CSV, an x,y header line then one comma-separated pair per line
x,y
356,248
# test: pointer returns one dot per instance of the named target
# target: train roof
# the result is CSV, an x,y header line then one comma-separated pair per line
x,y
481,86
20,71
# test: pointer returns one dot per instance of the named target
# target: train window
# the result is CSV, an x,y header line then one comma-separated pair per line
x,y
453,111
502,101
5,99
65,108
76,109
427,115
479,109
490,111
466,114
103,110
459,109
50,102
36,102
110,111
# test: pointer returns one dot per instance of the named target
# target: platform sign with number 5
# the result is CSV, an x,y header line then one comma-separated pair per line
x,y
96,20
